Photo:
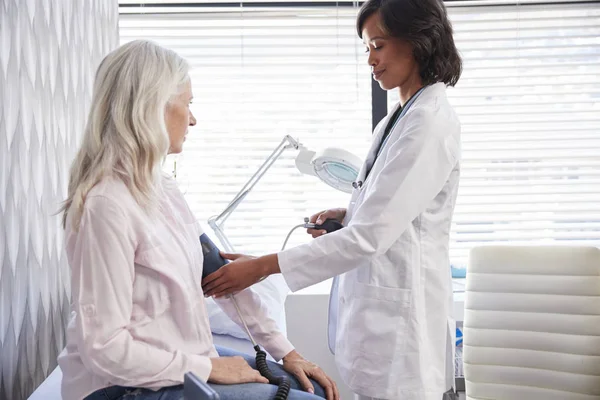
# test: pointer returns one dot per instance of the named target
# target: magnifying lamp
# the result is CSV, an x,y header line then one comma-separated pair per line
x,y
336,167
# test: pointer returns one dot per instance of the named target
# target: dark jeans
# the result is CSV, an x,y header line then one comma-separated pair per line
x,y
245,391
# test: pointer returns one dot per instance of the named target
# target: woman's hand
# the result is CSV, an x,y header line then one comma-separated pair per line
x,y
233,370
242,272
335,213
303,369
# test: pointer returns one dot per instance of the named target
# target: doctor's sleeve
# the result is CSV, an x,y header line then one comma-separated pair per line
x,y
417,167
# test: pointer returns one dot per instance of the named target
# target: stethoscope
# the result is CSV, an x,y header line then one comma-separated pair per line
x,y
359,184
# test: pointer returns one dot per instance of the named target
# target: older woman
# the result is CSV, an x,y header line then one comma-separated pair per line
x,y
139,320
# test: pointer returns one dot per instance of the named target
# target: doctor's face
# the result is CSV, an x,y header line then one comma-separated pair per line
x,y
178,117
391,59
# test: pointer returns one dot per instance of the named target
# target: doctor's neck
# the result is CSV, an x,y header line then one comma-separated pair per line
x,y
409,88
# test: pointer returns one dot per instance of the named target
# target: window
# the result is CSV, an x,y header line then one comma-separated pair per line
x,y
529,105
258,75
528,100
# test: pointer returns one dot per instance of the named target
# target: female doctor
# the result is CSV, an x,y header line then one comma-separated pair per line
x,y
391,303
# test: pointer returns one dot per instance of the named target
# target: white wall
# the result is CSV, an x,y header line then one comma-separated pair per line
x,y
49,51
307,314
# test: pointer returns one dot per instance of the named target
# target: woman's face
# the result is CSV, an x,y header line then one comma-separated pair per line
x,y
391,59
178,117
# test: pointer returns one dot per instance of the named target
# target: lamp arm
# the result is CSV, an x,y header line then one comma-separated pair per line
x,y
217,222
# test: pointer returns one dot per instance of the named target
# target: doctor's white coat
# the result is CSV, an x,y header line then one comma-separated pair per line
x,y
394,325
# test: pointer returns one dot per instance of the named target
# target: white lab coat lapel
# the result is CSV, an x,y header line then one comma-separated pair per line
x,y
372,154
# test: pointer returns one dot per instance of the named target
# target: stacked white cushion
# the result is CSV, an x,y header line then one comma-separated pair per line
x,y
532,323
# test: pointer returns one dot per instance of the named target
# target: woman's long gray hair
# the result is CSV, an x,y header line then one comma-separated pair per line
x,y
126,136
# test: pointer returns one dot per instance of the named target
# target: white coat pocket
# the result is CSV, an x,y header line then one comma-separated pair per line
x,y
380,318
374,335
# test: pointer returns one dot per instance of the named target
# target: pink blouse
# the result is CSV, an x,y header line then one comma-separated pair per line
x,y
138,312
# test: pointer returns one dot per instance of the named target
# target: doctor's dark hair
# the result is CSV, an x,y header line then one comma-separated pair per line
x,y
425,25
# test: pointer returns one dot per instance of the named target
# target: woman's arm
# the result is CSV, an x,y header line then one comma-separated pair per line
x,y
262,327
101,254
265,331
421,160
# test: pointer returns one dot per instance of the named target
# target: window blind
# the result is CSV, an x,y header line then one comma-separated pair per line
x,y
528,100
258,76
529,105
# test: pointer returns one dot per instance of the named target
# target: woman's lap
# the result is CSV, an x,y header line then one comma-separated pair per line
x,y
276,369
253,391
246,391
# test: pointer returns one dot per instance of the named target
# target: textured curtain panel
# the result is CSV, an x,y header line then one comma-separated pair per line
x,y
49,51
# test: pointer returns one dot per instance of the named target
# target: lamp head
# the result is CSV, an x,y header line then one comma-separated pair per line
x,y
336,167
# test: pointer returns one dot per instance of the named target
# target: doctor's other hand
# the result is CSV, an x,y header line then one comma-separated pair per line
x,y
303,369
232,371
242,272
335,213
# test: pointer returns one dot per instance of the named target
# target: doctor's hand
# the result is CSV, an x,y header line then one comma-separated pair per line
x,y
335,213
242,272
303,369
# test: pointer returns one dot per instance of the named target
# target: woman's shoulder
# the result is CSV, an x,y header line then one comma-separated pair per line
x,y
431,99
112,189
108,199
433,107
111,199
